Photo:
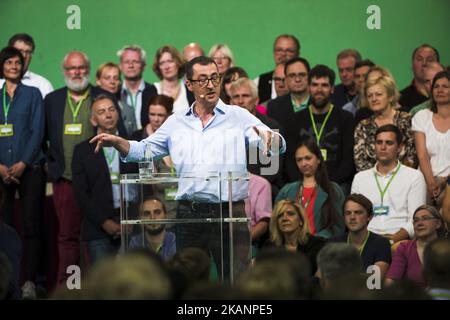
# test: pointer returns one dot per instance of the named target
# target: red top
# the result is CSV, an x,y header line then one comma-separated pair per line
x,y
309,196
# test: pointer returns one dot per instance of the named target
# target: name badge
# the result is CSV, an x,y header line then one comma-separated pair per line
x,y
324,154
170,193
6,130
115,177
381,210
73,128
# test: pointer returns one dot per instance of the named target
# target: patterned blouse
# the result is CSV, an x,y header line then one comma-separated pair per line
x,y
364,148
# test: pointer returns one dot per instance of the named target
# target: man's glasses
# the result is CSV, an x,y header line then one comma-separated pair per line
x,y
426,218
203,82
277,79
300,75
73,68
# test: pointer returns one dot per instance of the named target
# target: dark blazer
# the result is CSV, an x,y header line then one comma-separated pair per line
x,y
93,189
54,104
265,86
148,93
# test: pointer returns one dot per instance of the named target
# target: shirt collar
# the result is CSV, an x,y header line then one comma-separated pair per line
x,y
27,75
220,108
388,174
140,89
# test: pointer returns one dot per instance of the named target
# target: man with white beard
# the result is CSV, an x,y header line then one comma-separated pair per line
x,y
67,114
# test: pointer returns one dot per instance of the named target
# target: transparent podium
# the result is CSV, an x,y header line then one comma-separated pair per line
x,y
166,213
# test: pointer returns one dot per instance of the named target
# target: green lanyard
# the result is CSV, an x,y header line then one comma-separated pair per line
x,y
319,135
6,106
363,245
300,193
110,157
76,110
132,99
383,192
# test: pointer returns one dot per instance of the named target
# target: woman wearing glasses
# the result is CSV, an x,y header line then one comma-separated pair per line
x,y
407,260
322,199
168,65
223,57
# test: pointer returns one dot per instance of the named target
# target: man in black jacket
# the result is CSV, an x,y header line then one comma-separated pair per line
x,y
96,183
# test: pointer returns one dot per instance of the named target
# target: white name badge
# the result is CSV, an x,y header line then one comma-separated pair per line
x,y
381,210
324,154
115,177
73,128
6,130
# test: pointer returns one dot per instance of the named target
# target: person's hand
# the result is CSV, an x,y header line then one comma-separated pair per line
x,y
17,169
434,189
105,140
267,137
112,228
6,177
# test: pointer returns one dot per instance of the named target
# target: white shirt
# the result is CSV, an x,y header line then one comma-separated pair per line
x,y
406,192
34,80
182,102
437,143
273,93
114,166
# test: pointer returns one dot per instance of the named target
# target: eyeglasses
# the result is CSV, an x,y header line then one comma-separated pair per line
x,y
300,75
131,62
203,82
287,50
426,218
73,68
278,79
26,52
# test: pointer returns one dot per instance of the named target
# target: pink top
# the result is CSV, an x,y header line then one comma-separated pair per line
x,y
259,203
261,109
406,264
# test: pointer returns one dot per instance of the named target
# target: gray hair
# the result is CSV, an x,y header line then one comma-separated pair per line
x,y
245,82
85,57
338,259
133,47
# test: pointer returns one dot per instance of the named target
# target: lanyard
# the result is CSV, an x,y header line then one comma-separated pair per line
x,y
6,106
383,192
110,157
76,110
132,99
319,135
361,249
300,193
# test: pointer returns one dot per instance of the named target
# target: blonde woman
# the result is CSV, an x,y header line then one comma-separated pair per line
x,y
223,57
290,229
382,95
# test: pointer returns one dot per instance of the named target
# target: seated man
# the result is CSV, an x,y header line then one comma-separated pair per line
x,y
395,190
154,236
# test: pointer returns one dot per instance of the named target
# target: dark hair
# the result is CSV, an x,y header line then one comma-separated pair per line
x,y
8,53
294,60
328,218
176,57
391,128
425,45
201,60
152,198
361,200
227,77
322,71
22,37
364,63
349,53
439,75
163,100
288,36
102,96
436,263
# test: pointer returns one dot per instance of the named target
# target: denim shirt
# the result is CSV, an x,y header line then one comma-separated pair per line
x,y
26,114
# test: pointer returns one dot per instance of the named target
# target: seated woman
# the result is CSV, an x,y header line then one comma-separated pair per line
x,y
432,136
223,57
407,260
168,65
382,95
321,198
373,248
289,228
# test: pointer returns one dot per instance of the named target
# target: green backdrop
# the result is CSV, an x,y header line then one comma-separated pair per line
x,y
249,27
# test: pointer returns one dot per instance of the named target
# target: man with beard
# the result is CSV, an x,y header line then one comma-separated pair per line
x,y
154,236
67,113
330,127
96,183
135,93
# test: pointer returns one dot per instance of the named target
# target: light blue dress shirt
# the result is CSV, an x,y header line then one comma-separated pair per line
x,y
216,149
